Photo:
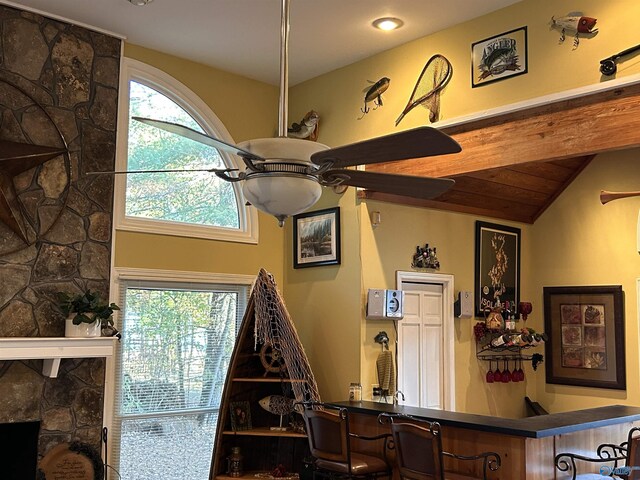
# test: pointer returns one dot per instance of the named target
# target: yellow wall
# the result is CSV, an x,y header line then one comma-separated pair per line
x,y
338,97
578,241
249,110
327,303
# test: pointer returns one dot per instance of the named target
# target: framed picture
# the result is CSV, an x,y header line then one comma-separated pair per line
x,y
585,326
240,416
499,57
316,238
497,273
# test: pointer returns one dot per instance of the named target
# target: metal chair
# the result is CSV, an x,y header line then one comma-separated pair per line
x,y
419,453
330,444
609,455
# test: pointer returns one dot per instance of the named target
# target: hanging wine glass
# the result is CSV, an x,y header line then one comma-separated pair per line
x,y
497,375
506,374
490,375
520,371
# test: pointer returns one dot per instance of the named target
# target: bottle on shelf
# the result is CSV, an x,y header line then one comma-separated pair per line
x,y
522,339
539,338
501,341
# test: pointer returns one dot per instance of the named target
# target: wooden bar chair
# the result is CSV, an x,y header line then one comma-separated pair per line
x,y
330,443
609,455
419,454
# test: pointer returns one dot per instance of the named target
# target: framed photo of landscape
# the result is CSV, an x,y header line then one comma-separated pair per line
x,y
316,238
497,267
499,57
585,326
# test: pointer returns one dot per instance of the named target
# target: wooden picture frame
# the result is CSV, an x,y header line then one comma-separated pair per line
x,y
316,238
499,57
497,272
586,344
240,416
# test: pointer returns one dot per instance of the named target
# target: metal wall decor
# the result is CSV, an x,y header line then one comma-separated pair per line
x,y
16,158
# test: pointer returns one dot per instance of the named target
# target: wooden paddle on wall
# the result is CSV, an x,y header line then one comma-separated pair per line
x,y
606,197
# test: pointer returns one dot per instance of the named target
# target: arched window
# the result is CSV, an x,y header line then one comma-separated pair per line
x,y
194,204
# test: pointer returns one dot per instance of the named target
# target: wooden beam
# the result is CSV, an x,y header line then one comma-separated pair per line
x,y
452,207
579,127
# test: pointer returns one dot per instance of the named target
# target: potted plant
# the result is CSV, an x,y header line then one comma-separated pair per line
x,y
86,313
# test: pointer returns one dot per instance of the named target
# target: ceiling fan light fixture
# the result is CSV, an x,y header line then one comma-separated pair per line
x,y
287,191
387,23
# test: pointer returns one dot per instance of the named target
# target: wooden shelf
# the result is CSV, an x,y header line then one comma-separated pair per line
x,y
52,349
265,379
265,432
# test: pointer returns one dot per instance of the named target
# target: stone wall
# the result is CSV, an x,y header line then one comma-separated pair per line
x,y
58,83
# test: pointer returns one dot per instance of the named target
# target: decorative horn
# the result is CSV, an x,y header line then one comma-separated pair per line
x,y
606,197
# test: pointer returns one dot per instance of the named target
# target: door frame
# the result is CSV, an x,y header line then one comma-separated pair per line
x,y
448,329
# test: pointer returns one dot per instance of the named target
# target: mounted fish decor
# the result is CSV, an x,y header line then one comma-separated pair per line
x,y
574,22
307,129
278,405
374,94
434,77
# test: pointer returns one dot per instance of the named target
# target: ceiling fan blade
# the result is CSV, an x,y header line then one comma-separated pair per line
x,y
407,185
127,172
416,143
198,137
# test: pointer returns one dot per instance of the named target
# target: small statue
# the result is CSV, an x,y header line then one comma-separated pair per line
x,y
425,258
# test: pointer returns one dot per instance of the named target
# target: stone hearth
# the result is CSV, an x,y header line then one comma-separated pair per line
x,y
72,73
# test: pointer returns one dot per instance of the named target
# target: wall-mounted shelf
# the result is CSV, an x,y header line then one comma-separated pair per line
x,y
53,349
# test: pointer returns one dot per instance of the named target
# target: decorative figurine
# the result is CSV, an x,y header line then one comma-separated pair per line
x,y
307,129
374,94
278,405
425,258
575,22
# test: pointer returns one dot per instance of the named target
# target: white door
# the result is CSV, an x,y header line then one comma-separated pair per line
x,y
420,346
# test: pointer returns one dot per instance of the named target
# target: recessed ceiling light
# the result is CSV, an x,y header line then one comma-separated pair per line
x,y
387,23
140,3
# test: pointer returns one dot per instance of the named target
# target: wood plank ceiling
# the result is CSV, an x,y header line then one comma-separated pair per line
x,y
514,166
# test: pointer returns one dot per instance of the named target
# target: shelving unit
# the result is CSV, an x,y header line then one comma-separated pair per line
x,y
262,449
511,353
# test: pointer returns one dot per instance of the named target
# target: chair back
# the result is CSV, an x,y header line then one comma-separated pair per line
x,y
328,432
633,455
418,449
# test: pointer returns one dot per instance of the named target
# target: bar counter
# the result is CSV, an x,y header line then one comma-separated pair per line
x,y
527,446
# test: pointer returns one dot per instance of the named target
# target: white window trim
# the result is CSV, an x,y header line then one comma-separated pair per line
x,y
119,275
448,333
178,92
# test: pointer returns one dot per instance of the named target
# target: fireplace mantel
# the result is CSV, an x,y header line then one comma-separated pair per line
x,y
53,349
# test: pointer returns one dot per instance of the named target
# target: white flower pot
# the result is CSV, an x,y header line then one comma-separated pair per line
x,y
84,330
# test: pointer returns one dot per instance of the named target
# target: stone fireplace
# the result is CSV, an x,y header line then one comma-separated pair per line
x,y
58,84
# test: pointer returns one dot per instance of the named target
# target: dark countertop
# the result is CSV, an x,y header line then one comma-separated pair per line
x,y
532,427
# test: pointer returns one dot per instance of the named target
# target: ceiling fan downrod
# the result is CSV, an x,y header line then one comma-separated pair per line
x,y
283,104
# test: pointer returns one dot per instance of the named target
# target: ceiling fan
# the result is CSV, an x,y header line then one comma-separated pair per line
x,y
284,176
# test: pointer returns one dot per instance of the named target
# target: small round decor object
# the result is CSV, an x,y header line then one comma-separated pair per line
x,y
608,67
271,359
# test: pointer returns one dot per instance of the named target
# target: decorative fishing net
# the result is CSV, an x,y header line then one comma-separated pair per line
x,y
434,77
274,326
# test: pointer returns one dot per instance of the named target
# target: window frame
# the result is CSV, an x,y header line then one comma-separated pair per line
x,y
134,70
121,276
